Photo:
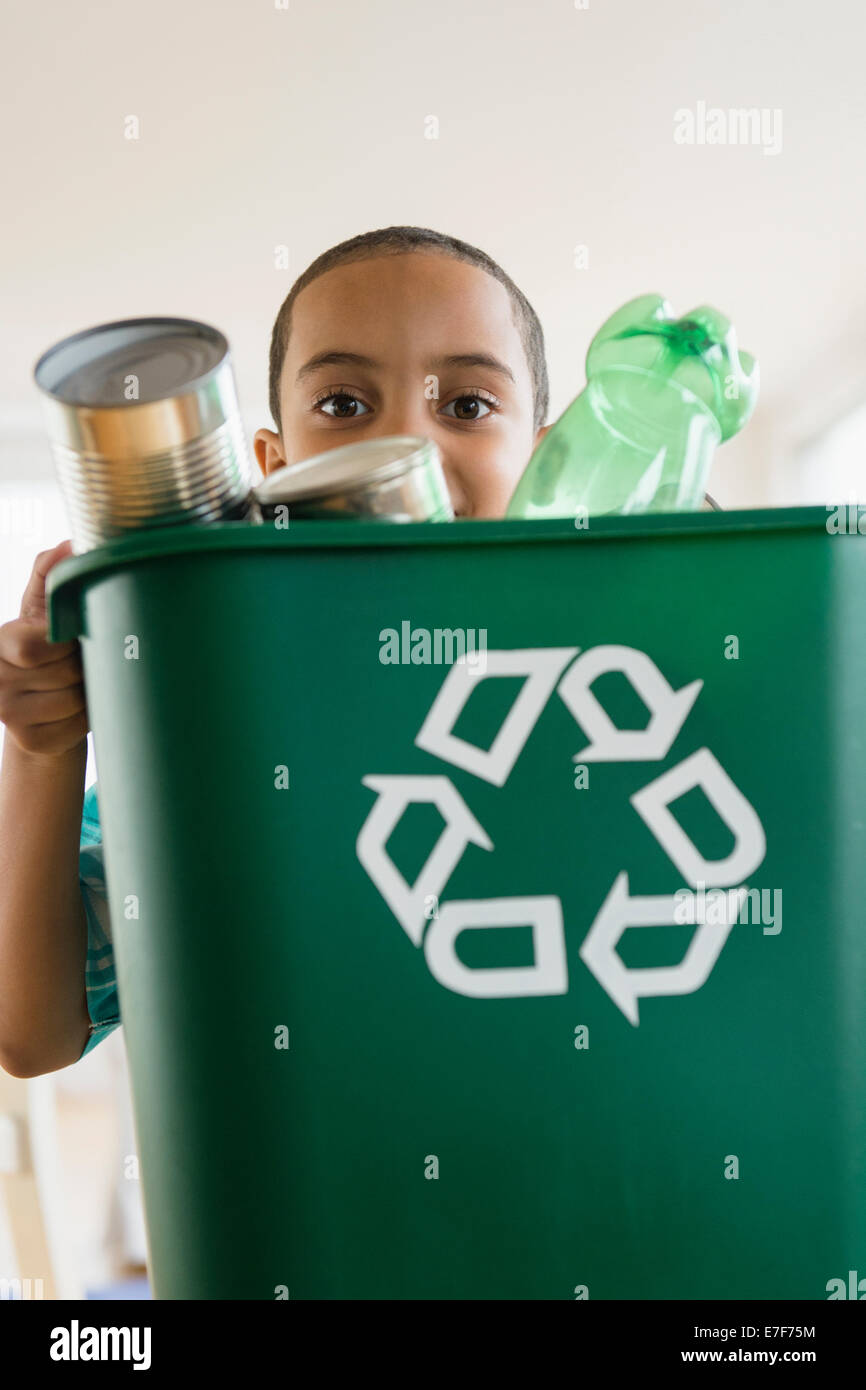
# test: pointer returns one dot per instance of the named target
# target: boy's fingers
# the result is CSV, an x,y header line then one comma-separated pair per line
x,y
33,602
50,675
55,736
24,643
51,706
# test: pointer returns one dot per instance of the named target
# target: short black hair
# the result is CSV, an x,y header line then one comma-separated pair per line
x,y
396,241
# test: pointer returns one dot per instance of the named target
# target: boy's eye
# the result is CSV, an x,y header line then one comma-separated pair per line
x,y
346,407
469,407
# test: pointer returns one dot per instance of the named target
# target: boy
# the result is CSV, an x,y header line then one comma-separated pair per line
x,y
399,331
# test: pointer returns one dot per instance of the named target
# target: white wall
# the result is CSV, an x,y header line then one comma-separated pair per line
x,y
303,125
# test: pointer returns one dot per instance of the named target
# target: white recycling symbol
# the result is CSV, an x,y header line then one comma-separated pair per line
x,y
544,671
461,829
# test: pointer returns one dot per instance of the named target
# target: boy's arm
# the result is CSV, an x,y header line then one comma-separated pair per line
x,y
44,1020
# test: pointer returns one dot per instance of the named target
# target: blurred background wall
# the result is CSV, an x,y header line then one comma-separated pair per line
x,y
262,126
543,132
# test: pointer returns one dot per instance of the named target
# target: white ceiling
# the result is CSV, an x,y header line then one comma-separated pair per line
x,y
262,126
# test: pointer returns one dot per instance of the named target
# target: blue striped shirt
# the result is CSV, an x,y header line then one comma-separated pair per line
x,y
99,973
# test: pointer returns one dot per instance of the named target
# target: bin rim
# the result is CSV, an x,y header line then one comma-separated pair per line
x,y
65,578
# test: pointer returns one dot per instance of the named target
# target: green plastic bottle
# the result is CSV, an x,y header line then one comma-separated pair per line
x,y
661,394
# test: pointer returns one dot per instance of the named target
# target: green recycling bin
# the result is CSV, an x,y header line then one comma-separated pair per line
x,y
488,902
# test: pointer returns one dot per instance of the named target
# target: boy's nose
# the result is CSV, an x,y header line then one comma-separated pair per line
x,y
410,415
456,490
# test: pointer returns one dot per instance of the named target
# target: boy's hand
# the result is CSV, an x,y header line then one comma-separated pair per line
x,y
41,688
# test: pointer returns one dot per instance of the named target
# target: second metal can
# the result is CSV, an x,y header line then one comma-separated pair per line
x,y
397,478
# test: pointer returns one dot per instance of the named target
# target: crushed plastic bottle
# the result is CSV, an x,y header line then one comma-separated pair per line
x,y
661,394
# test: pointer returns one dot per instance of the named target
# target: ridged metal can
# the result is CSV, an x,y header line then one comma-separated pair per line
x,y
145,427
395,478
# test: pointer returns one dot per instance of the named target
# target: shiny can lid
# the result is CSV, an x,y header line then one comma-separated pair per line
x,y
167,356
350,468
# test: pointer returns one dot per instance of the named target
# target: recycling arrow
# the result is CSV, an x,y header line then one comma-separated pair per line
x,y
396,793
668,708
618,912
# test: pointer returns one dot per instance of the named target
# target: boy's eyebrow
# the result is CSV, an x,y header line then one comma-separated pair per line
x,y
475,359
357,359
335,359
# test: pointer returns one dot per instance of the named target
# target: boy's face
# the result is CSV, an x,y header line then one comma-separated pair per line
x,y
403,335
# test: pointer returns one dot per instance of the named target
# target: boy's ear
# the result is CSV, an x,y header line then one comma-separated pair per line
x,y
541,433
269,450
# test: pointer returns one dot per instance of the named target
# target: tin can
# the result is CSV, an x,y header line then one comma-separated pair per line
x,y
397,478
145,427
